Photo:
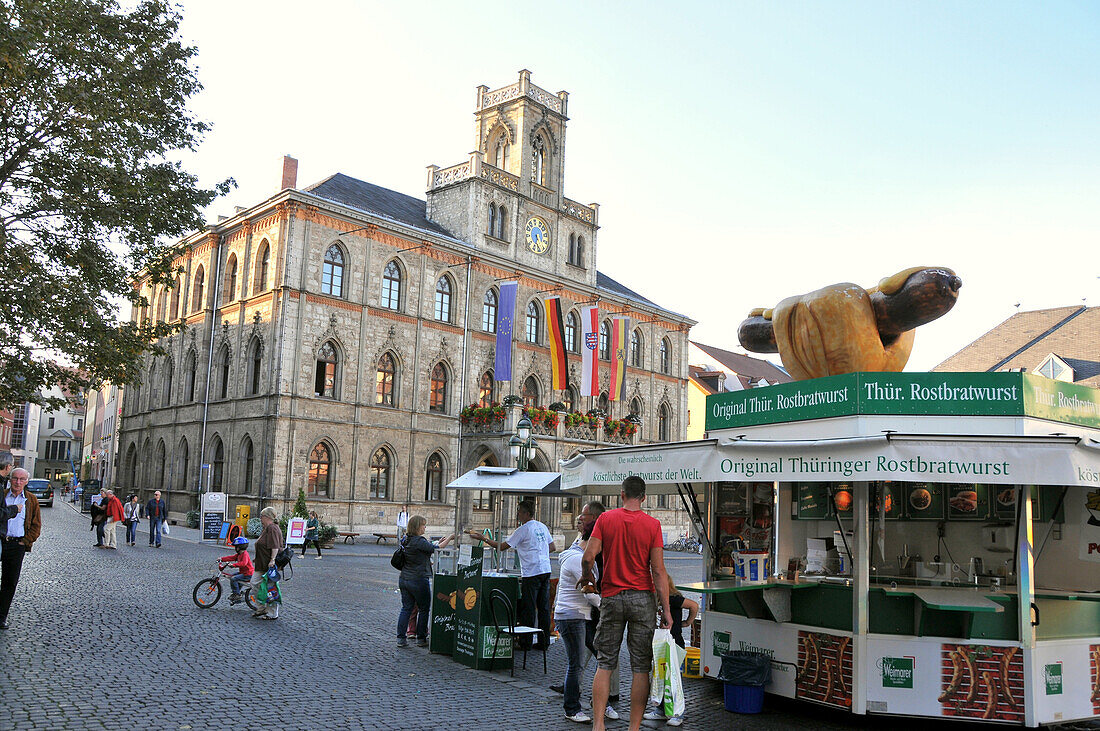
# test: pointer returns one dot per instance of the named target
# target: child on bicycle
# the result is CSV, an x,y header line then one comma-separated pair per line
x,y
243,563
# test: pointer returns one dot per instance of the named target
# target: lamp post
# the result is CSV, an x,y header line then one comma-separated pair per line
x,y
521,444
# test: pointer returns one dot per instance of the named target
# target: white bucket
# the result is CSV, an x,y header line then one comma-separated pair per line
x,y
753,567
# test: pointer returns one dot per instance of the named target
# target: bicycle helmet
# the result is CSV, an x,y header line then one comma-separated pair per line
x,y
240,541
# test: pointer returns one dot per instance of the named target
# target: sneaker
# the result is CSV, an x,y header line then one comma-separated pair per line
x,y
402,642
318,558
675,721
579,717
611,713
558,689
653,714
259,612
421,643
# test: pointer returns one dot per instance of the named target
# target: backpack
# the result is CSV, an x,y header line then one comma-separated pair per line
x,y
398,559
283,559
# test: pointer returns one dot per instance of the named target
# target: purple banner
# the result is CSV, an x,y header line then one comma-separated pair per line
x,y
506,312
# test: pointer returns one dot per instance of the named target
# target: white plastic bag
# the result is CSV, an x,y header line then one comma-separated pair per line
x,y
164,528
666,688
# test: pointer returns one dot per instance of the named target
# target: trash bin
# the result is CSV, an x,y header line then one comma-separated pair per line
x,y
745,674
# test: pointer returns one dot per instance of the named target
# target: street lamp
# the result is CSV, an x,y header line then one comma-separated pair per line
x,y
521,444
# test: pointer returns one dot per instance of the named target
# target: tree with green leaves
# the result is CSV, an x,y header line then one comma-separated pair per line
x,y
300,509
93,105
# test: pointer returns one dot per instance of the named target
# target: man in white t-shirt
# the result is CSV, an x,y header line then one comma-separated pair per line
x,y
533,545
402,522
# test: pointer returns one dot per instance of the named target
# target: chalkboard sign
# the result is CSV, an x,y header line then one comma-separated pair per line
x,y
967,502
212,525
923,501
733,498
813,500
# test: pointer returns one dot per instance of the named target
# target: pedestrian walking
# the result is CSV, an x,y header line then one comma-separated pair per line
x,y
415,581
156,511
99,516
313,524
402,523
572,610
132,513
633,571
533,544
115,515
20,526
267,546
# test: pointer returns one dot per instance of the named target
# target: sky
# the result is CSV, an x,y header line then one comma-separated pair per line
x,y
741,152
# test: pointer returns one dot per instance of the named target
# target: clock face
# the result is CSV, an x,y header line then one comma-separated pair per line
x,y
538,235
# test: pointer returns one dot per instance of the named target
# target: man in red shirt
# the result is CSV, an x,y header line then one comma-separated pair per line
x,y
633,571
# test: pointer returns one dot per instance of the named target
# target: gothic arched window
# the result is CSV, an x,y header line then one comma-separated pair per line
x,y
531,392
263,263
247,463
196,291
605,340
533,322
230,279
391,286
492,220
223,372
502,217
217,463
489,312
539,171
485,389
571,332
320,471
636,348
666,356
443,299
255,361
325,379
176,300
386,380
433,479
380,475
664,423
332,272
437,400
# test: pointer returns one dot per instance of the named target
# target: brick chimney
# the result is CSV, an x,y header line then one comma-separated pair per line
x,y
290,172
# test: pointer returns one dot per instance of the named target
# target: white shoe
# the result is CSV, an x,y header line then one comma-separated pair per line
x,y
675,721
318,558
611,713
653,714
580,717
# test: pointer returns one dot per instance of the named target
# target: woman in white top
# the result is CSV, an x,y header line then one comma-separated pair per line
x,y
572,609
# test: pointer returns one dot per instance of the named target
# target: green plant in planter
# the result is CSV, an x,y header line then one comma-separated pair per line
x,y
300,509
192,519
326,533
254,528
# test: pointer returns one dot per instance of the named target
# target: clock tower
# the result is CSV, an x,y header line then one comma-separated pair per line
x,y
509,197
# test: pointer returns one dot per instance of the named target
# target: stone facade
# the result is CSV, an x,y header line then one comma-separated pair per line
x,y
316,318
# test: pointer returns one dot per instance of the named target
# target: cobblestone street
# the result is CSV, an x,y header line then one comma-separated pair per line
x,y
111,639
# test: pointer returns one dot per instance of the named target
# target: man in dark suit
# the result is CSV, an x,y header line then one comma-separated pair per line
x,y
20,526
157,512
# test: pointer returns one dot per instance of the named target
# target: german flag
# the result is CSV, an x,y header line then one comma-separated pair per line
x,y
620,326
556,335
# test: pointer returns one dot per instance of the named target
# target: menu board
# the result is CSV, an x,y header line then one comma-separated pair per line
x,y
923,501
812,499
468,609
212,525
967,502
444,601
892,493
733,498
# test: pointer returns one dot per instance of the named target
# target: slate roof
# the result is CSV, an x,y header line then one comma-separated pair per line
x,y
706,379
411,211
1027,338
746,365
375,199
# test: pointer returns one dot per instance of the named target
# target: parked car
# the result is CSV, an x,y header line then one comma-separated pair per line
x,y
43,490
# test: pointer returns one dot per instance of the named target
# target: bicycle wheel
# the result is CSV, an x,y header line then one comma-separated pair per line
x,y
249,600
207,593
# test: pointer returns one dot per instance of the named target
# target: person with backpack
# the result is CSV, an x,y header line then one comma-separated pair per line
x,y
415,582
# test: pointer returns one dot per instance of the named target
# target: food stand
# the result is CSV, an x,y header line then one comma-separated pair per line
x,y
462,624
933,539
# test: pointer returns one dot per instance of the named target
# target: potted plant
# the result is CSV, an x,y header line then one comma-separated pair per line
x,y
326,535
192,519
254,528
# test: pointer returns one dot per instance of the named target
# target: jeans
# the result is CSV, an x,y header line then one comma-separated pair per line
x,y
154,528
414,592
534,601
236,580
572,634
131,532
99,533
11,564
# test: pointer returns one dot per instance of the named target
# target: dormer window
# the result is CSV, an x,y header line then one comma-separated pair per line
x,y
1055,368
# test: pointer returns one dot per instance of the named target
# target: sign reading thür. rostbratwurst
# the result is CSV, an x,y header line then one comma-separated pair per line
x,y
942,394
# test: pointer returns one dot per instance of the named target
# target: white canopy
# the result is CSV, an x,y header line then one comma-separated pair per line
x,y
510,480
1007,460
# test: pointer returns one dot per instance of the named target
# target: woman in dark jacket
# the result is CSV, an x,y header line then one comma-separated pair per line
x,y
416,580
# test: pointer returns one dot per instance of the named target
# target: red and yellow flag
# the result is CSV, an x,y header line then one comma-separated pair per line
x,y
620,326
556,335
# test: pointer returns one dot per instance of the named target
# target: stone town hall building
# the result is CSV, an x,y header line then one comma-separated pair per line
x,y
333,333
